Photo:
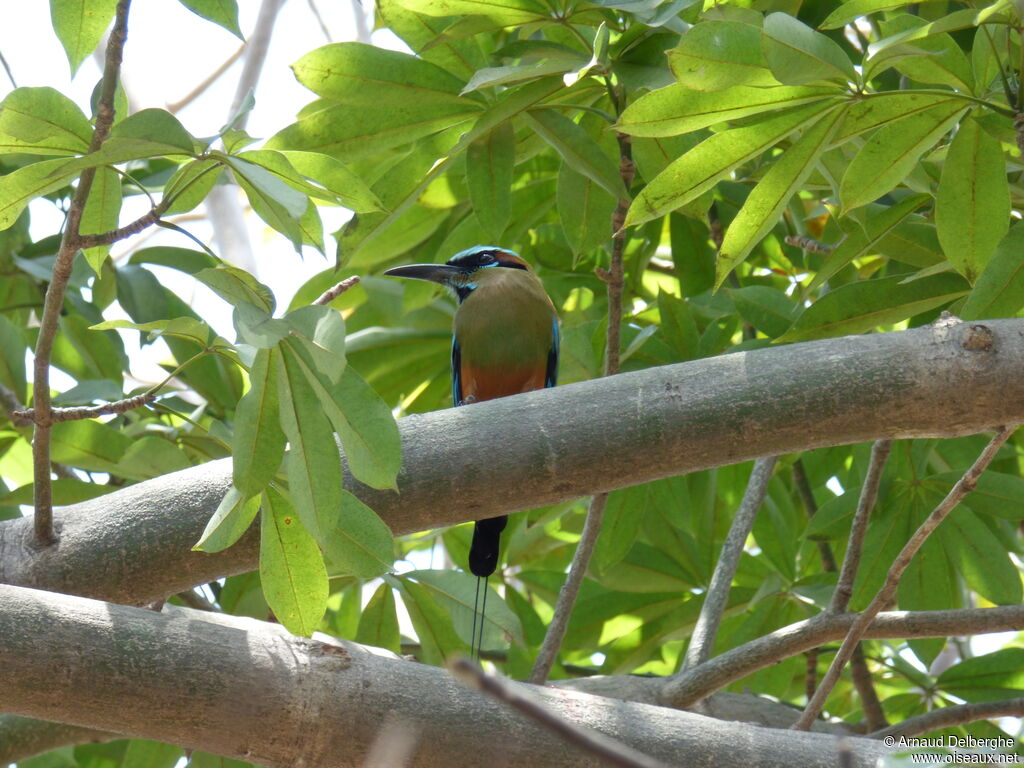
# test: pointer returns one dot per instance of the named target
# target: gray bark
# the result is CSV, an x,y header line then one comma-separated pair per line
x,y
564,443
249,690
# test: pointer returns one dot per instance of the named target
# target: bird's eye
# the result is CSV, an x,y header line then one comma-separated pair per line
x,y
486,258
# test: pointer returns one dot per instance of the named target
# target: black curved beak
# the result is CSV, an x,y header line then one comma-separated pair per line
x,y
434,273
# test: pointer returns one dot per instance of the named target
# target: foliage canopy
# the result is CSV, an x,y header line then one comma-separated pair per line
x,y
802,171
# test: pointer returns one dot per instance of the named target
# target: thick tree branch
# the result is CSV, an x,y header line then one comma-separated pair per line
x,y
736,663
277,700
564,443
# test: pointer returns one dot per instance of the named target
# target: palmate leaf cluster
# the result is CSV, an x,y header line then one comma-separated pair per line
x,y
879,132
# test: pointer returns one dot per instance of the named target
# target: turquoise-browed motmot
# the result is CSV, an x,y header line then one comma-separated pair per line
x,y
505,341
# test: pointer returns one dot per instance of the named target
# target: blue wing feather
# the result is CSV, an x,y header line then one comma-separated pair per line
x,y
551,377
456,371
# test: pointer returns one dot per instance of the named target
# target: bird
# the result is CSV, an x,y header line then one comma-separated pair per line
x,y
504,342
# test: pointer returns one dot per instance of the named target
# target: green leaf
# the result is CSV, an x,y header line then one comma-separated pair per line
x,y
233,517
182,259
18,188
156,128
490,77
697,171
877,109
584,210
769,310
236,286
862,240
999,290
12,356
355,540
321,333
42,121
190,185
352,133
292,570
619,528
364,424
676,109
489,163
179,327
101,212
761,210
141,294
892,153
65,491
982,558
715,55
936,59
149,133
577,148
314,467
996,493
992,677
963,19
258,443
864,305
275,202
89,445
361,75
378,626
345,187
972,208
508,12
798,54
222,12
432,624
455,591
80,25
853,9
86,354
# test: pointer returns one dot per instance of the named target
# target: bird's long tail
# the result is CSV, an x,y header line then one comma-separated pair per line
x,y
483,560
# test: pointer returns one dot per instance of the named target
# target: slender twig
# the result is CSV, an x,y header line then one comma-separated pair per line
x,y
25,416
811,677
868,494
862,680
874,715
607,750
887,593
570,590
148,219
7,69
614,280
200,89
809,244
683,690
949,717
54,300
320,20
10,402
803,489
717,597
332,293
